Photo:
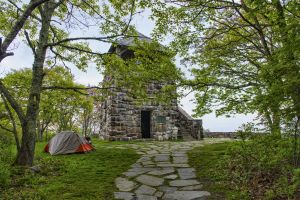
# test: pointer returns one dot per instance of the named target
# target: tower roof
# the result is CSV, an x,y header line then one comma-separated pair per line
x,y
128,41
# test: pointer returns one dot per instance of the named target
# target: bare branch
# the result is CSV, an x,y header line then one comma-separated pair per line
x,y
12,119
6,129
228,86
130,17
101,16
84,51
22,11
257,26
101,39
75,88
30,43
14,104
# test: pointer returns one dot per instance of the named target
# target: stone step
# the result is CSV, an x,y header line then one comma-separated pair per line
x,y
187,137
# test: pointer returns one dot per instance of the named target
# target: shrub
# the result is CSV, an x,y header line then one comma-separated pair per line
x,y
260,168
5,159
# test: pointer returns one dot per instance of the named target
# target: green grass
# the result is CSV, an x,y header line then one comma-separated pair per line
x,y
204,160
260,168
75,176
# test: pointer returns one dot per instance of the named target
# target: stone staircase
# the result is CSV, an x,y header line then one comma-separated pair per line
x,y
189,128
187,137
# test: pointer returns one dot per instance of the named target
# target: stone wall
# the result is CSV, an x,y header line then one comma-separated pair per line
x,y
121,118
189,126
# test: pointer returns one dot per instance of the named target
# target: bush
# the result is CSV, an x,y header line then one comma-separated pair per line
x,y
260,168
5,159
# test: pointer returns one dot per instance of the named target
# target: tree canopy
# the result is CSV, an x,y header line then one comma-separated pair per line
x,y
48,34
59,109
243,55
50,28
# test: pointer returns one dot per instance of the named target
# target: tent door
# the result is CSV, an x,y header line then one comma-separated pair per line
x,y
146,124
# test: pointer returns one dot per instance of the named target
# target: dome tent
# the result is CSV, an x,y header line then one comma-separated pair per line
x,y
68,142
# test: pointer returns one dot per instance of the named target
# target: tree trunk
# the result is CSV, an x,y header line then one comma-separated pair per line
x,y
29,128
275,128
38,123
26,155
273,120
43,128
86,122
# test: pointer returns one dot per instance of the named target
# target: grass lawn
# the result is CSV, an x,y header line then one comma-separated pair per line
x,y
204,160
75,176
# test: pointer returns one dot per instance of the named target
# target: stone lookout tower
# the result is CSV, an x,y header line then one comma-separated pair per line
x,y
123,119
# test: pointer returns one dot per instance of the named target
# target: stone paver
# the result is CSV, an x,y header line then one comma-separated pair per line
x,y
145,197
159,194
162,173
186,173
124,184
186,195
124,195
150,180
180,159
180,183
167,189
172,176
144,189
161,158
148,163
192,187
172,165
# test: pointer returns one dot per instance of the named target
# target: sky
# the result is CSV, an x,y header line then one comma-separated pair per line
x,y
23,58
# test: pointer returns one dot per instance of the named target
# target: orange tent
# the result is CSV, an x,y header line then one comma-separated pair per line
x,y
68,142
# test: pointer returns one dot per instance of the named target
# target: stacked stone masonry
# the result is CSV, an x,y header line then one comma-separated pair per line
x,y
121,116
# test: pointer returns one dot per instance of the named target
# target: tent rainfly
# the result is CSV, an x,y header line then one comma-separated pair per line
x,y
68,142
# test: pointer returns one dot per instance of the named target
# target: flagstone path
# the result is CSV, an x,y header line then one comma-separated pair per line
x,y
162,173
